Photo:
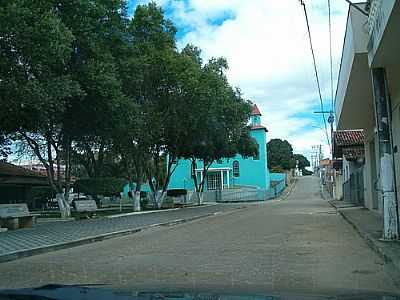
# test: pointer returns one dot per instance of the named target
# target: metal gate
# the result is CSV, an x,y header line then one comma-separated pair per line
x,y
353,189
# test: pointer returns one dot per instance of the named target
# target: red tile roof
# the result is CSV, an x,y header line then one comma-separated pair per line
x,y
7,169
255,111
348,137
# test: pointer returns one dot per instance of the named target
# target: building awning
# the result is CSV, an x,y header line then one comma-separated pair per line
x,y
215,169
255,127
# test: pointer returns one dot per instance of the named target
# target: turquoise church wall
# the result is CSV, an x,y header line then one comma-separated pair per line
x,y
253,172
277,176
131,187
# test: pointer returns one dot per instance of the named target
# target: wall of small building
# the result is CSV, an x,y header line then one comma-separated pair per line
x,y
278,176
252,172
349,167
14,194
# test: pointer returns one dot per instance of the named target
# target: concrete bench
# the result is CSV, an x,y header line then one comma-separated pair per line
x,y
86,207
14,216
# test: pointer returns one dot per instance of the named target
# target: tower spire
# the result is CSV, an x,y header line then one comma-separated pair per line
x,y
255,116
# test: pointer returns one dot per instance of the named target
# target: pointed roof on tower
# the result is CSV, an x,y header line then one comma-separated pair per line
x,y
255,111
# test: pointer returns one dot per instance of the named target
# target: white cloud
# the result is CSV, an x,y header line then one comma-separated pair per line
x,y
267,48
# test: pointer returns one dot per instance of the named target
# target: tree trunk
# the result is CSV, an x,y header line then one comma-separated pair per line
x,y
136,201
65,209
159,198
199,195
136,198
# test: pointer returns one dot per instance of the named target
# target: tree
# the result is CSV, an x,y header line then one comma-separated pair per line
x,y
131,150
301,161
35,48
151,79
100,29
280,155
5,146
216,117
105,186
58,74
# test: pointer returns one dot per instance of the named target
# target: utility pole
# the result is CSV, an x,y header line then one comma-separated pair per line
x,y
387,170
316,156
331,120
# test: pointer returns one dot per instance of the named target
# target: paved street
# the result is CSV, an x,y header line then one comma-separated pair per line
x,y
47,234
298,244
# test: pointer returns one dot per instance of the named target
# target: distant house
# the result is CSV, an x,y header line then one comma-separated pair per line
x,y
39,168
234,172
16,184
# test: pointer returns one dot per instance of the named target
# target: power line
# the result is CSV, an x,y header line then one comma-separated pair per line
x,y
331,116
316,72
330,51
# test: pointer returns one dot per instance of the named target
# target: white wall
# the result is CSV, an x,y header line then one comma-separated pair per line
x,y
372,194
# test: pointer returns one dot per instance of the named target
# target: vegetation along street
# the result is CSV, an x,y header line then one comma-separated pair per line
x,y
199,149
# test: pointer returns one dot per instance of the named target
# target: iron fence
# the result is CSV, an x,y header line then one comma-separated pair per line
x,y
245,194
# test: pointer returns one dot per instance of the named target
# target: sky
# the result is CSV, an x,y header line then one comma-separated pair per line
x,y
267,48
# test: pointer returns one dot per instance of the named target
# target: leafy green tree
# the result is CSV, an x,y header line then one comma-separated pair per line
x,y
216,117
35,48
59,78
280,155
105,186
131,150
5,146
151,79
301,161
100,28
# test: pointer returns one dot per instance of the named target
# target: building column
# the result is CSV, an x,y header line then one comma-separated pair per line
x,y
387,170
222,180
227,178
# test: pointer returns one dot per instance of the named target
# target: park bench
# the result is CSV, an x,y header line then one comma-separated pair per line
x,y
14,216
85,207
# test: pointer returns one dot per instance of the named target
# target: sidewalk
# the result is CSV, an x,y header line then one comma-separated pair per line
x,y
369,226
50,236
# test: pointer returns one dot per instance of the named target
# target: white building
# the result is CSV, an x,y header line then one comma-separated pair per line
x,y
368,96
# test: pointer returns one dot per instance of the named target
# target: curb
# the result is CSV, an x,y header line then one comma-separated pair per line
x,y
371,242
87,240
139,213
289,192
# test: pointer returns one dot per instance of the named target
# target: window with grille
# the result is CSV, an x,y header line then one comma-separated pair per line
x,y
214,181
236,169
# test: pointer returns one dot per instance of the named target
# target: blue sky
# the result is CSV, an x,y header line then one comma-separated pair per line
x,y
266,45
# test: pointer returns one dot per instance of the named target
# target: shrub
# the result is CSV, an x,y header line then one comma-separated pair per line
x,y
105,186
176,192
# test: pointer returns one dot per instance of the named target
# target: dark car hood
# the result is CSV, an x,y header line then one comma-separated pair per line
x,y
77,292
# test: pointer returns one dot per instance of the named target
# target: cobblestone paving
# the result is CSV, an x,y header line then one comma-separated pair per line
x,y
46,234
296,246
